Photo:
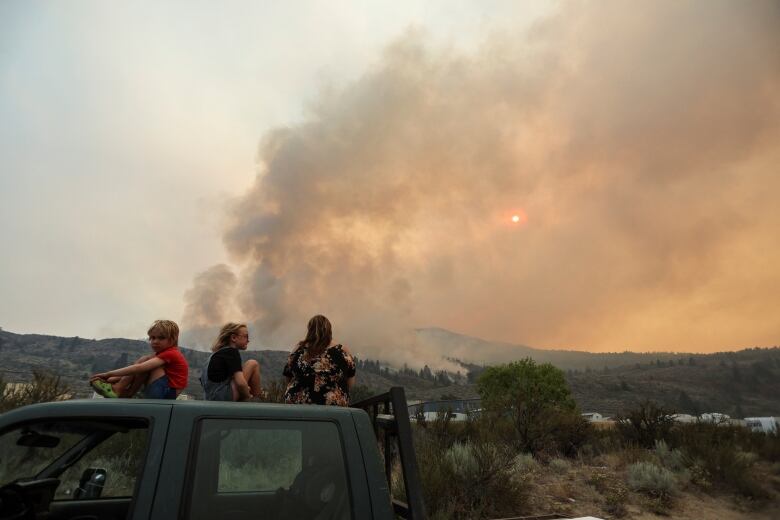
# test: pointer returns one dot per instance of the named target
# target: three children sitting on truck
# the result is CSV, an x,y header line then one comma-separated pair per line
x,y
163,374
318,370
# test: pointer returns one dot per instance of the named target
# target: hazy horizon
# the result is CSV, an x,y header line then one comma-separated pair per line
x,y
593,176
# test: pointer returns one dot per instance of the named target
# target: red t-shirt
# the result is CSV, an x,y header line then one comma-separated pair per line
x,y
175,367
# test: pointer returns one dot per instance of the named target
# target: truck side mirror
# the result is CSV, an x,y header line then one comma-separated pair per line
x,y
91,484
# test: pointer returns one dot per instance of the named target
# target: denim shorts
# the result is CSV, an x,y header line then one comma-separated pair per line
x,y
159,389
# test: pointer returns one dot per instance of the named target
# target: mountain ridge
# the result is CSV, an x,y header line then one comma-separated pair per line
x,y
739,383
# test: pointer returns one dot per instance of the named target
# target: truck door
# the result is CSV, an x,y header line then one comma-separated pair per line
x,y
80,462
263,468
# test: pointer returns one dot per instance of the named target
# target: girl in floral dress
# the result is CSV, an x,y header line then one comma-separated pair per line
x,y
317,371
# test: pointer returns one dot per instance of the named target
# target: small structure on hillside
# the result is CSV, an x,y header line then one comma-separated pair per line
x,y
763,424
714,417
455,409
594,417
683,418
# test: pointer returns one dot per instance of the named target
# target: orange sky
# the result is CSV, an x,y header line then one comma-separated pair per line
x,y
642,140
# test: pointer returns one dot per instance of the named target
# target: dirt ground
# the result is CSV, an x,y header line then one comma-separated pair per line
x,y
692,507
599,492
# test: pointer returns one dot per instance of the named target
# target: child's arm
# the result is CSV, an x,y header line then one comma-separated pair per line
x,y
139,368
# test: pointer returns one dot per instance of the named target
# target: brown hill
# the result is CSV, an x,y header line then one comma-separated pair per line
x,y
743,383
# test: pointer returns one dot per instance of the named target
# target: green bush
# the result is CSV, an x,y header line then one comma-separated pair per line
x,y
651,480
466,471
559,466
532,395
671,459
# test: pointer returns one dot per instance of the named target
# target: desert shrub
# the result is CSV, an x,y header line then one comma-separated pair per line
x,y
632,455
652,480
466,474
645,424
462,459
43,388
565,432
600,442
615,499
612,489
273,391
524,463
720,455
671,459
559,466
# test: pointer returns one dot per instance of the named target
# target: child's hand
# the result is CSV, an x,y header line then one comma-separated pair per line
x,y
101,376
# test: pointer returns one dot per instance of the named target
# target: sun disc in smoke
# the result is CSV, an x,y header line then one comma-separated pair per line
x,y
519,217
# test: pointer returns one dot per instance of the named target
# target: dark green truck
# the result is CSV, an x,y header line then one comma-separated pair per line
x,y
141,459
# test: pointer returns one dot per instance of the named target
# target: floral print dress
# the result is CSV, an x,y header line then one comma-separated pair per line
x,y
321,380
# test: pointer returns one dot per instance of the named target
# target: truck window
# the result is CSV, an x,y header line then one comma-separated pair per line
x,y
269,469
78,459
121,456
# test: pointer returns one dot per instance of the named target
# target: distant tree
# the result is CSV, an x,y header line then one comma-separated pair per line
x,y
681,361
531,393
691,361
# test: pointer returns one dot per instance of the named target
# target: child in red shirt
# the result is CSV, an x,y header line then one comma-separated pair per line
x,y
164,373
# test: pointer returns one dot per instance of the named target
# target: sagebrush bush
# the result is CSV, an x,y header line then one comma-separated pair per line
x,y
462,459
467,471
524,463
671,459
651,479
559,466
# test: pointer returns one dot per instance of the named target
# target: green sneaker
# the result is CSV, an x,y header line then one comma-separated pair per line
x,y
103,388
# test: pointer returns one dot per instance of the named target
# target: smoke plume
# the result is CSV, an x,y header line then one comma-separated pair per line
x,y
640,139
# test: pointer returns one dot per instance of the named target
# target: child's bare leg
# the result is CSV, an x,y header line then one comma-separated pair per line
x,y
128,386
252,375
234,390
155,374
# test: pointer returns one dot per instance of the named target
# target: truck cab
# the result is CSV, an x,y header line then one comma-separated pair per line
x,y
145,459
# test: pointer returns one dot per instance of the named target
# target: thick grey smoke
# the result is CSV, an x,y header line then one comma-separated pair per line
x,y
641,140
209,303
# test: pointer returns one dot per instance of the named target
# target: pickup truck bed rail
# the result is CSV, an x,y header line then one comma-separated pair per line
x,y
389,415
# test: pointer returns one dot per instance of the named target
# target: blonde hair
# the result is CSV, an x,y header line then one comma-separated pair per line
x,y
225,332
166,328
